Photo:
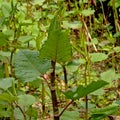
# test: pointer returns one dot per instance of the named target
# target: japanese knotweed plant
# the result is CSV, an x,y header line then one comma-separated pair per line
x,y
57,48
31,64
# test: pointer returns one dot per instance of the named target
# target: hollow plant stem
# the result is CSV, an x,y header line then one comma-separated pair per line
x,y
53,93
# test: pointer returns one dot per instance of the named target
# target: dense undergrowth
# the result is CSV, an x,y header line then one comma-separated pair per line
x,y
59,59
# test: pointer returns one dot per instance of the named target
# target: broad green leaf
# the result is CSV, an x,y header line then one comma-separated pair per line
x,y
6,9
39,2
18,114
7,97
24,39
88,12
108,75
5,56
116,49
100,113
26,100
117,102
5,113
96,57
3,39
98,92
94,41
1,70
82,91
32,112
73,25
28,65
57,47
6,83
70,115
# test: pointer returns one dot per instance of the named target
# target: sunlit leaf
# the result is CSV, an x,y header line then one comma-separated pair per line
x,y
7,97
39,2
6,9
24,39
26,100
3,39
73,25
108,75
98,92
88,12
6,83
5,56
96,57
71,115
116,49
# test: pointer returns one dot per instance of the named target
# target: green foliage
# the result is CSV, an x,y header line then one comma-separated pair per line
x,y
7,97
5,113
78,34
1,71
101,113
57,47
96,57
71,115
3,39
6,83
24,39
6,9
108,75
28,66
72,25
26,100
87,12
82,91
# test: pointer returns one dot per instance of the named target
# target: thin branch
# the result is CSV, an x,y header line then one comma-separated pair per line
x,y
45,80
65,107
21,110
89,35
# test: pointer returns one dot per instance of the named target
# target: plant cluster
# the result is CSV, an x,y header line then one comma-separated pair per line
x,y
59,59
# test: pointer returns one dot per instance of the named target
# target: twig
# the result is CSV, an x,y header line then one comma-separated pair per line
x,y
21,110
65,107
86,28
45,80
